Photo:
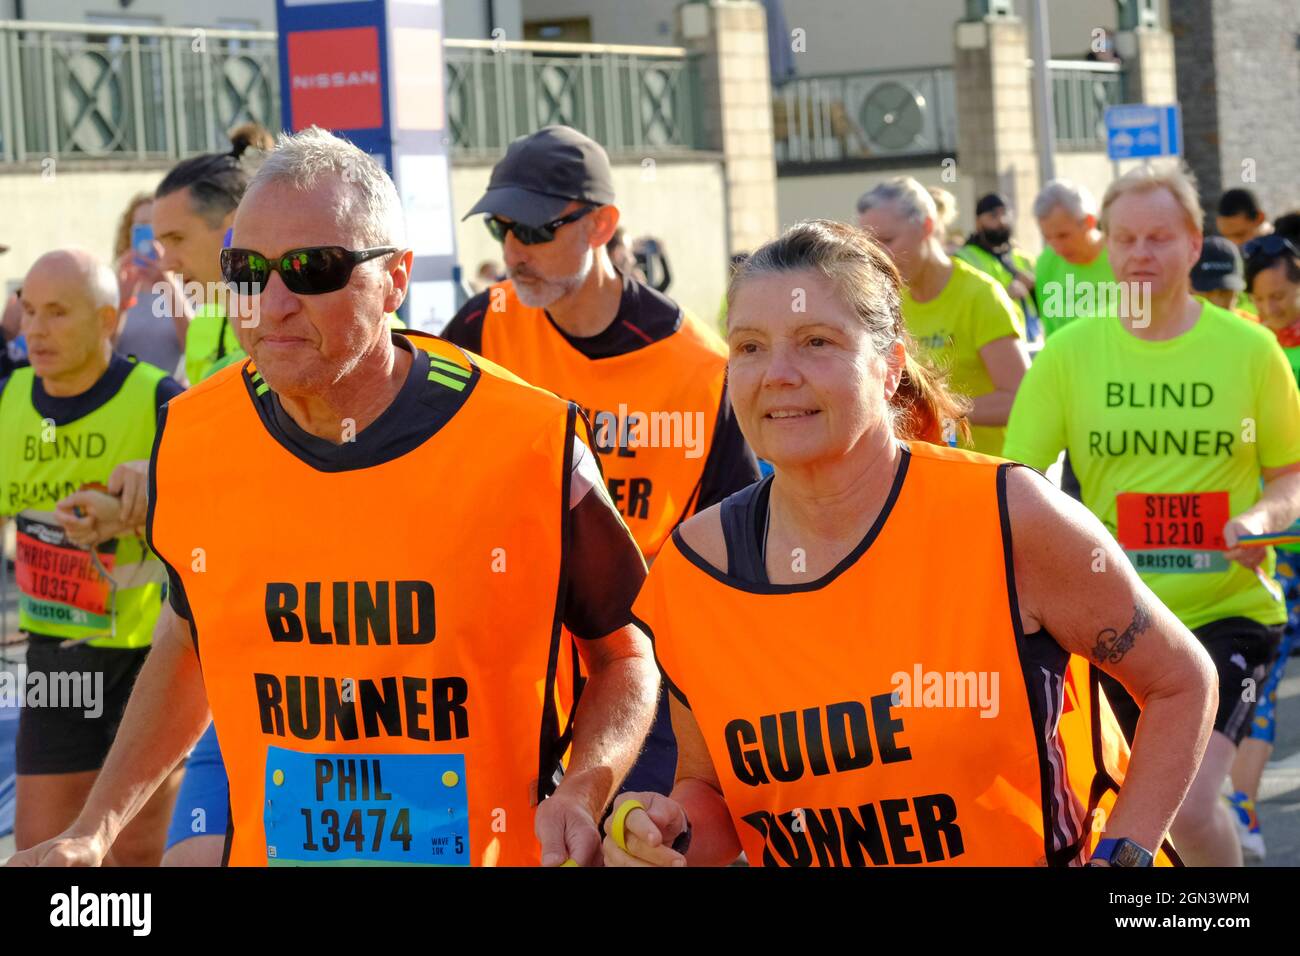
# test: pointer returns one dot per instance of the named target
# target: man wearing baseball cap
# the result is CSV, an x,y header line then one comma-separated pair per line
x,y
1218,276
650,377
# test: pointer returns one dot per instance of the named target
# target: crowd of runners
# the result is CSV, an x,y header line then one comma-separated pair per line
x,y
581,582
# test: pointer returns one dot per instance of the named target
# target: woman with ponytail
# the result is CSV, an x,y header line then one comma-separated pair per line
x,y
839,696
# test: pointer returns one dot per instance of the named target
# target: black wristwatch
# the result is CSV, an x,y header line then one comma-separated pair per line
x,y
1121,852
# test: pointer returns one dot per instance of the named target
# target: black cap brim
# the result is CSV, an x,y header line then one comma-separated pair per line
x,y
1211,283
520,205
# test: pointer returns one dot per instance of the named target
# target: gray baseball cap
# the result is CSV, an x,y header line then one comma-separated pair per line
x,y
1219,267
543,172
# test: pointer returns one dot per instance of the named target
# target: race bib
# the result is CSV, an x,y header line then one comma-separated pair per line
x,y
1173,532
359,809
58,580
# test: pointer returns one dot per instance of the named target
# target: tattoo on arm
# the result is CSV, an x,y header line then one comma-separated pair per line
x,y
1111,647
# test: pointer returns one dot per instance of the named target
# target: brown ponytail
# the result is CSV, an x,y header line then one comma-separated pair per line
x,y
923,404
867,280
250,136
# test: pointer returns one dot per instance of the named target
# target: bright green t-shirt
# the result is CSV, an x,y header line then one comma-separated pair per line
x,y
1068,291
1293,357
1182,428
970,312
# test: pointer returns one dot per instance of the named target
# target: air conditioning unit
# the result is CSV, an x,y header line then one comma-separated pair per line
x,y
892,116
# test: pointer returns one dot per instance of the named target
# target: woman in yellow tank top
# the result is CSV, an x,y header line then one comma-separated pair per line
x,y
842,696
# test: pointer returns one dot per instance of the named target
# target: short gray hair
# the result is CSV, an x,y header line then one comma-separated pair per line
x,y
912,199
97,280
1076,200
371,200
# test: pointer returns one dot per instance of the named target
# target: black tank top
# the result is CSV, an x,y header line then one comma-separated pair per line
x,y
744,519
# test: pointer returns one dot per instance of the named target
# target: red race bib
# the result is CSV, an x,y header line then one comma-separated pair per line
x,y
49,568
1186,522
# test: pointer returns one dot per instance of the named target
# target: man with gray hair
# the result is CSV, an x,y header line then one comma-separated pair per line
x,y
1074,269
375,571
70,420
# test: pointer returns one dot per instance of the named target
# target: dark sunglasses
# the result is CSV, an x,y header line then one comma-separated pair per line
x,y
314,270
532,235
1269,247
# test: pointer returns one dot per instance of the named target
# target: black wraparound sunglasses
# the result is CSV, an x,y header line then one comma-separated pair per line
x,y
1269,247
313,270
532,235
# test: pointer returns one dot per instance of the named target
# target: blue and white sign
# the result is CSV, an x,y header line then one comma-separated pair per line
x,y
1138,131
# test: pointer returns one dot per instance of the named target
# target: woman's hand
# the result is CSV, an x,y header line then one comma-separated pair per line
x,y
134,273
647,831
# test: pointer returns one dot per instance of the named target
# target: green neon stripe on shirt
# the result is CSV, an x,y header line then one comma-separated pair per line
x,y
447,366
436,376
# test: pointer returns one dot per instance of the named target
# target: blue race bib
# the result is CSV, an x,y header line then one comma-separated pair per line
x,y
365,809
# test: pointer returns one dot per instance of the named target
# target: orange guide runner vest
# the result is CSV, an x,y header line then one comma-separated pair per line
x,y
892,712
653,411
379,645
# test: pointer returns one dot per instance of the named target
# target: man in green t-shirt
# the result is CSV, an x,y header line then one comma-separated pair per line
x,y
961,315
1183,424
990,249
76,418
1073,271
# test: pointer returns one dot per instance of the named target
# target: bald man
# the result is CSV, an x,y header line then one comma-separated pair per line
x,y
79,415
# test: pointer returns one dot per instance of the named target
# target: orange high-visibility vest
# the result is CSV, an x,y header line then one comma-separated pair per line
x,y
379,645
1092,738
643,406
892,712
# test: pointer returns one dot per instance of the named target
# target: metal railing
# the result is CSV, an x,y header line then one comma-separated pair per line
x,y
1081,91
848,116
631,99
87,91
95,92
